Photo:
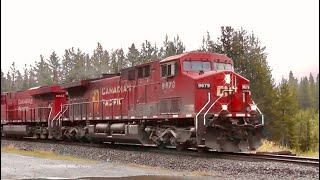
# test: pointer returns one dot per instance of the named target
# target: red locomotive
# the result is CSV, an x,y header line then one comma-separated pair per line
x,y
188,100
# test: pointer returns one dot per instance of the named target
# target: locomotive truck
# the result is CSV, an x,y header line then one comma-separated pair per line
x,y
188,100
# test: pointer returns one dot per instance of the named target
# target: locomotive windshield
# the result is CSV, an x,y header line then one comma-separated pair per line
x,y
222,66
196,66
205,66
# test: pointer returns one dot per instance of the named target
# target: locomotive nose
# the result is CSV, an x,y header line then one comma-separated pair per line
x,y
231,93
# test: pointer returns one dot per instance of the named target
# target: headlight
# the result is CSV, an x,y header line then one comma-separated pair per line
x,y
224,107
253,107
245,86
227,78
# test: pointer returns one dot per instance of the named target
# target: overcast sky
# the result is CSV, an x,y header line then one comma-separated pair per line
x,y
288,28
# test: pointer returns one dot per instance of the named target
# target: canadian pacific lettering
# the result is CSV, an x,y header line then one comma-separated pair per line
x,y
23,108
116,89
110,102
24,101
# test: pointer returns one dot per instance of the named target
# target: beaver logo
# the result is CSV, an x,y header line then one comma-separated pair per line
x,y
95,98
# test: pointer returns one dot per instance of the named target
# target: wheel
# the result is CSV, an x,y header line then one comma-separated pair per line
x,y
161,145
36,136
182,147
43,136
202,149
58,137
93,140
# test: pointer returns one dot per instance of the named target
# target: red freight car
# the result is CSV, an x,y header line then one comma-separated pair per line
x,y
188,100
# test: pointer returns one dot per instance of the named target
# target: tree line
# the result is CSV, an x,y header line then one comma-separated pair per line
x,y
291,108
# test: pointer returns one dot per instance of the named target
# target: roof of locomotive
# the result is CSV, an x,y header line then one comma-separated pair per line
x,y
46,89
39,90
204,55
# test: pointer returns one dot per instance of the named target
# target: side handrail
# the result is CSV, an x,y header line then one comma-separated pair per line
x,y
57,116
262,116
49,115
202,110
204,116
88,102
59,122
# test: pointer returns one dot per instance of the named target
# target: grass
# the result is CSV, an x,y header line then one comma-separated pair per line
x,y
269,146
44,154
309,154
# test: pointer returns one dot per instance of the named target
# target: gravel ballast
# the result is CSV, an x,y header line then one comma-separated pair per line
x,y
219,167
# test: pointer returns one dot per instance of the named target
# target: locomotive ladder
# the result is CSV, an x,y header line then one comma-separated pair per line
x,y
55,124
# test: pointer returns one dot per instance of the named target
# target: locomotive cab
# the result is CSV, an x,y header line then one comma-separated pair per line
x,y
208,89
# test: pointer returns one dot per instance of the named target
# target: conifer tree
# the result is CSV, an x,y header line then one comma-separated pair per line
x,y
12,77
173,47
4,82
9,81
132,55
19,81
304,95
25,84
293,82
121,59
32,77
114,62
208,45
317,92
96,60
313,95
105,62
284,127
43,72
89,69
67,66
147,52
79,65
54,64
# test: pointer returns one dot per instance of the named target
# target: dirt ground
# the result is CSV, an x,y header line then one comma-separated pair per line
x,y
16,166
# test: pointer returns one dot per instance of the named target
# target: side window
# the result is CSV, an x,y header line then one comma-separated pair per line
x,y
131,75
187,66
169,70
170,73
147,71
144,71
163,70
140,72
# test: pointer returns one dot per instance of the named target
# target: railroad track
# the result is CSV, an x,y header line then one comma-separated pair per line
x,y
190,152
280,158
